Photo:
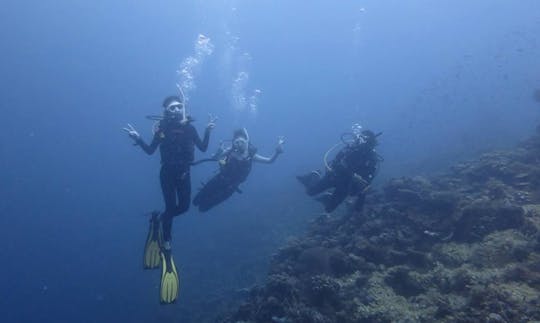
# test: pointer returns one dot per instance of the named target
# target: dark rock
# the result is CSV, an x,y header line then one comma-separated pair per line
x,y
482,218
407,191
460,281
281,286
320,260
308,315
495,318
322,290
409,256
403,283
453,248
371,252
496,189
361,280
243,312
525,274
272,307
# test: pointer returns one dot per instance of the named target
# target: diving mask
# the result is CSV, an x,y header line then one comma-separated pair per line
x,y
357,133
175,110
240,144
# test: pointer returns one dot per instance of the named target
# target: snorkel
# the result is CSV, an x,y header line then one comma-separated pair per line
x,y
184,116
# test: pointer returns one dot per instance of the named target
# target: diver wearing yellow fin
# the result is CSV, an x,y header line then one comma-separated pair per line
x,y
152,248
176,138
156,253
169,279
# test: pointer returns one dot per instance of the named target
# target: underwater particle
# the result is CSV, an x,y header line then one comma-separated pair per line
x,y
203,48
254,100
240,101
203,45
536,95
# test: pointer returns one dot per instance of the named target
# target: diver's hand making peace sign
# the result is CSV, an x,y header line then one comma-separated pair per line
x,y
211,121
132,133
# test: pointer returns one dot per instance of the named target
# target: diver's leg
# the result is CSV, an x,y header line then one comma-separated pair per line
x,y
321,185
206,193
219,191
338,196
309,179
183,191
168,188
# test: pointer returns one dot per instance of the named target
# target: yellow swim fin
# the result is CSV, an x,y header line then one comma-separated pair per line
x,y
152,250
169,279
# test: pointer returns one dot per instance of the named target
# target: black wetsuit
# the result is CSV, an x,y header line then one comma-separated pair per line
x,y
232,173
177,148
355,159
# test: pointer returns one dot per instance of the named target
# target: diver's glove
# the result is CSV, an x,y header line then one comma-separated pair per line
x,y
211,122
132,133
279,148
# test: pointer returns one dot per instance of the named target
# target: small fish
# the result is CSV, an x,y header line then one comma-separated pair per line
x,y
431,233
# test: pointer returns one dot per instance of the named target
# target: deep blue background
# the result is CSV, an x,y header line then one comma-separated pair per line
x,y
444,80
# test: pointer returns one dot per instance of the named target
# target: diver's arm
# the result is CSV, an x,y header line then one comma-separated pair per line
x,y
202,145
365,176
268,160
149,149
372,169
133,134
265,160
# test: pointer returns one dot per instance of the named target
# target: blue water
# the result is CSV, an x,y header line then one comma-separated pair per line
x,y
443,80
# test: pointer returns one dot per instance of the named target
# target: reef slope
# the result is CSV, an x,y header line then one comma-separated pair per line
x,y
463,246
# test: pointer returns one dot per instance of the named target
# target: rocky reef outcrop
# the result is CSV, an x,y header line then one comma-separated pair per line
x,y
463,246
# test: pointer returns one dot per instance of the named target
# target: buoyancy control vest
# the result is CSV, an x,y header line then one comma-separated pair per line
x,y
176,142
359,159
235,168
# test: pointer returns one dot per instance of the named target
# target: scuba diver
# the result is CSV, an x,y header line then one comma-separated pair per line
x,y
349,174
176,138
234,167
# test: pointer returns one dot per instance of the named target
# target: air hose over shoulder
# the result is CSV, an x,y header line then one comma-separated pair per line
x,y
325,159
346,139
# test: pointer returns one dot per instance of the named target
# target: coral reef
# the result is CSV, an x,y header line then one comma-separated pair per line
x,y
463,246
